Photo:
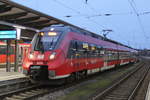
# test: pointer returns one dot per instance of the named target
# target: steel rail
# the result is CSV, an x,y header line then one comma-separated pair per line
x,y
138,86
7,94
106,91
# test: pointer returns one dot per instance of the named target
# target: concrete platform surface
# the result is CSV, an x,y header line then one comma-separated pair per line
x,y
10,75
148,93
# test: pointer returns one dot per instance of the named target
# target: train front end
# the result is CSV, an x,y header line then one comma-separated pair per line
x,y
44,58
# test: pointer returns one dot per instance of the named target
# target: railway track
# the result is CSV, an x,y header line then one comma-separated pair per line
x,y
34,91
25,93
126,88
9,85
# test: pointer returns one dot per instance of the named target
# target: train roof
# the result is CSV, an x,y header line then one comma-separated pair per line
x,y
106,43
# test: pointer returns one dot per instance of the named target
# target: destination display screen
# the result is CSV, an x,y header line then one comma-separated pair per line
x,y
8,34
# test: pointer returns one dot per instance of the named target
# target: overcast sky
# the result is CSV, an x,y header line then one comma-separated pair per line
x,y
129,19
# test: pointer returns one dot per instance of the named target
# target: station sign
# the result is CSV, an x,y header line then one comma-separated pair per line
x,y
8,34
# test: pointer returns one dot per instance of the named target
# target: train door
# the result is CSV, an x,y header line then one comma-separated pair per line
x,y
78,55
100,55
105,59
85,54
72,54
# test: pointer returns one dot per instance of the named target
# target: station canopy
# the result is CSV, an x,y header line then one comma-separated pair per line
x,y
30,21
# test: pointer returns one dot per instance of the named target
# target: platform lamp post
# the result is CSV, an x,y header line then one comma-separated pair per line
x,y
106,32
18,30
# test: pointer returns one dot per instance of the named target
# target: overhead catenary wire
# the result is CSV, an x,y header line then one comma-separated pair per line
x,y
138,18
78,12
90,7
62,4
140,22
89,17
110,14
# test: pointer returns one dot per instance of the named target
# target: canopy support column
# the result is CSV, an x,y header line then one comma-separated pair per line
x,y
8,67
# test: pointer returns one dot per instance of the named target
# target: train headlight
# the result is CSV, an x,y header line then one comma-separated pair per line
x,y
52,56
31,56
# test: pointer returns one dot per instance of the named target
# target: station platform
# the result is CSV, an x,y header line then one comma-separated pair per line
x,y
148,93
4,76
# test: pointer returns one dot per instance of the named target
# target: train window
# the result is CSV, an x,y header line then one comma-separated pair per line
x,y
73,45
85,46
72,49
94,50
102,52
12,50
85,49
124,55
79,45
89,45
3,49
76,50
107,55
99,49
91,52
80,50
114,55
95,53
47,41
93,47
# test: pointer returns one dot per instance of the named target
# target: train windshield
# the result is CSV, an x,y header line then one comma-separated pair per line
x,y
47,41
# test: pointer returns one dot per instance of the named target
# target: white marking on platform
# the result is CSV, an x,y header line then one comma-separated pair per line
x,y
148,93
9,75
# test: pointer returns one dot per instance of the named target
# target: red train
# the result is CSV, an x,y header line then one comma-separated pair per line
x,y
64,52
3,51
